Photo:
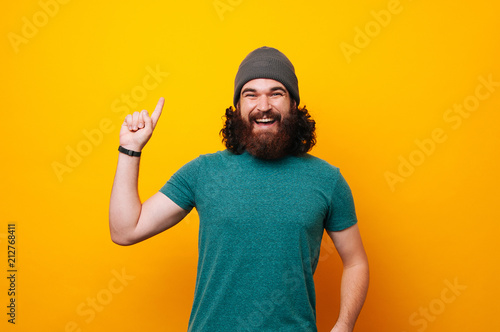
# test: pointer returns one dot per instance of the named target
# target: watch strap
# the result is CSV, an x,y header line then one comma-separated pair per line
x,y
129,152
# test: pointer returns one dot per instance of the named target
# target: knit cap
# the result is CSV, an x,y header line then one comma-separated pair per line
x,y
266,62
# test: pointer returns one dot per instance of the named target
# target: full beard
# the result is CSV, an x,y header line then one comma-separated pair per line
x,y
267,145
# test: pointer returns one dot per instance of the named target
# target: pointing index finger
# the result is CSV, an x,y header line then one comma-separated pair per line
x,y
157,112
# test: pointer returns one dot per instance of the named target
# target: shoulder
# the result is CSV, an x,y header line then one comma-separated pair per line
x,y
317,164
195,169
324,173
215,157
210,160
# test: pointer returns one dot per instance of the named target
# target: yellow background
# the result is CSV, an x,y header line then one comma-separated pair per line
x,y
437,227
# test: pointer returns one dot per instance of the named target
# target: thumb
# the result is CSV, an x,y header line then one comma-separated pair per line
x,y
157,112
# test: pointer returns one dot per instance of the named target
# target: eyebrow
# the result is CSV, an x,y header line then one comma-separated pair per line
x,y
276,88
248,90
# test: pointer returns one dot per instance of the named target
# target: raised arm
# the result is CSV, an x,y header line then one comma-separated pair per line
x,y
355,276
130,221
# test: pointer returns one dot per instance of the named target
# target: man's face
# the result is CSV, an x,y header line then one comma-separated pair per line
x,y
264,104
266,125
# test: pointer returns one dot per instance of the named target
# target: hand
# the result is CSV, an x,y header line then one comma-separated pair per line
x,y
138,128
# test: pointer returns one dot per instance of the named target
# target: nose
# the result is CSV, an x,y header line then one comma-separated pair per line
x,y
263,104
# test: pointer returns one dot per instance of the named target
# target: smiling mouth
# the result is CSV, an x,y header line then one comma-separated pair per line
x,y
265,121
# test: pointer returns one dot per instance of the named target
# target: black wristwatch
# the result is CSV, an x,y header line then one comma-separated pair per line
x,y
129,152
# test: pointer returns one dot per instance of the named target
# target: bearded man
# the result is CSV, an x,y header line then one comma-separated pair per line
x,y
263,204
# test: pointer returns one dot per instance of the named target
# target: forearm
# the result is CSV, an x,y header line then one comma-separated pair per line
x,y
354,287
125,204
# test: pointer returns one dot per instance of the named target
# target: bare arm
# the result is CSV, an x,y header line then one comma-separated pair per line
x,y
355,276
130,221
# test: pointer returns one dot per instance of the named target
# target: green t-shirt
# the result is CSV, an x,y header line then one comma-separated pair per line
x,y
261,225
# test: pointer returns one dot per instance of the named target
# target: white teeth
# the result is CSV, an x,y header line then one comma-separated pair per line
x,y
264,120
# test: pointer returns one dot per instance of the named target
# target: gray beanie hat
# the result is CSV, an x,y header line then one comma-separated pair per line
x,y
267,62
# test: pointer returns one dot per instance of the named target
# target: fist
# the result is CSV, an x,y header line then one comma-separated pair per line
x,y
138,127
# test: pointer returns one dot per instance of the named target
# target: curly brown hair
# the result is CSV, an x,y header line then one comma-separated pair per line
x,y
302,142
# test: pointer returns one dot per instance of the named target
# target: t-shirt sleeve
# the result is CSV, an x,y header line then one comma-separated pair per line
x,y
341,213
180,187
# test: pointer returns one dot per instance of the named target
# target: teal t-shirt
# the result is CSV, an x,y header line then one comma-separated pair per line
x,y
261,225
